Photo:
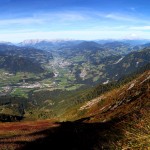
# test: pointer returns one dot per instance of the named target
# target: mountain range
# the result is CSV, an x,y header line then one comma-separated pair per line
x,y
96,88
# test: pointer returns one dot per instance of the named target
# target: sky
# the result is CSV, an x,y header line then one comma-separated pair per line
x,y
74,19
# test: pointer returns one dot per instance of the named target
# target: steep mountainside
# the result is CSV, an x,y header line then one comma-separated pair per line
x,y
118,119
88,45
16,59
128,64
119,47
118,102
104,66
16,64
35,54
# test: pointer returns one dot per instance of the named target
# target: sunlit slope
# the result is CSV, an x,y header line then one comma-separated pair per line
x,y
124,114
115,103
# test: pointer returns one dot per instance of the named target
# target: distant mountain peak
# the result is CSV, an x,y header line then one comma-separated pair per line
x,y
88,45
6,43
35,41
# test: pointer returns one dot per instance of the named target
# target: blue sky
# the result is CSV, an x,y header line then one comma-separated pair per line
x,y
74,19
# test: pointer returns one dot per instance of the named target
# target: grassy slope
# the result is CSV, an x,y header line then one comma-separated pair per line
x,y
127,107
119,119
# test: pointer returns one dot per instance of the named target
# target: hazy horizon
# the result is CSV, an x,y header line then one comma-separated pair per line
x,y
59,40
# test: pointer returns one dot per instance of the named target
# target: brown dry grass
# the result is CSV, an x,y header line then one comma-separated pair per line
x,y
15,135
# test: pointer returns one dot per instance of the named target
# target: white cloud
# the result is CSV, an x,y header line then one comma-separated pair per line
x,y
22,21
45,18
132,8
132,36
120,17
63,16
140,28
